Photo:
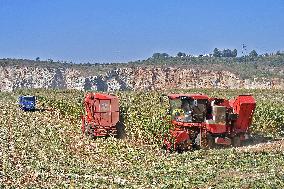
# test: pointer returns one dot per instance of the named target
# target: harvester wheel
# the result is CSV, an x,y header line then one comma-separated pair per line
x,y
236,141
89,131
184,146
205,141
120,130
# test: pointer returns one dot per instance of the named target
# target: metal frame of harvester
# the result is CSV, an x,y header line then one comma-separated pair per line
x,y
102,116
197,120
204,122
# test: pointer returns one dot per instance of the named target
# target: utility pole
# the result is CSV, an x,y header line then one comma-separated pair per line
x,y
244,52
244,49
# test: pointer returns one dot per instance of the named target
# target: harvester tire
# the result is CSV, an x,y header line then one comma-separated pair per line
x,y
184,146
89,131
120,130
204,142
236,141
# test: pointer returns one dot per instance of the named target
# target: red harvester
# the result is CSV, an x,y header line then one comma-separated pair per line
x,y
202,122
102,116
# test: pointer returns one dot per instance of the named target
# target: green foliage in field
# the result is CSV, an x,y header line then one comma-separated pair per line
x,y
47,149
269,66
144,114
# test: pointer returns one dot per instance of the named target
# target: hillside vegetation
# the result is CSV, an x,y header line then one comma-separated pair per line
x,y
47,149
269,66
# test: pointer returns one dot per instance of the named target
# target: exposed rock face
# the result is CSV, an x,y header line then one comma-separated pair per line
x,y
138,78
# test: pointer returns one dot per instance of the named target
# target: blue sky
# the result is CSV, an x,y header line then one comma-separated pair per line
x,y
124,30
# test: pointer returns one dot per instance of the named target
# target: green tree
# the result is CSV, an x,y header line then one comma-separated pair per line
x,y
253,54
165,55
156,55
235,53
160,55
226,53
216,53
50,60
180,54
229,53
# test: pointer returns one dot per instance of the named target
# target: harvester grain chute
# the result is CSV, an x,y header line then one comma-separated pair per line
x,y
203,122
102,116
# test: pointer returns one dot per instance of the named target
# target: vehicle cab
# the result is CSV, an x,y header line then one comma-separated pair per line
x,y
27,103
188,108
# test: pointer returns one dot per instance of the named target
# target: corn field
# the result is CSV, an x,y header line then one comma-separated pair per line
x,y
46,149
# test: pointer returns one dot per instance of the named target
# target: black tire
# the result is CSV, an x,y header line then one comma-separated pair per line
x,y
121,134
197,140
237,141
184,146
206,143
89,131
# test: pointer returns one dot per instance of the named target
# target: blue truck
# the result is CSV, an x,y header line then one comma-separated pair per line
x,y
27,103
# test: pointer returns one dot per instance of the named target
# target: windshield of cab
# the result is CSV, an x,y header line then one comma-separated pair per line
x,y
188,110
29,98
180,111
175,103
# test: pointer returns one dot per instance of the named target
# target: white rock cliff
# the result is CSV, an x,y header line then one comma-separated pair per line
x,y
135,78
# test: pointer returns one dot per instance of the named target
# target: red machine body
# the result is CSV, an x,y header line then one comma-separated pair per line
x,y
102,114
201,121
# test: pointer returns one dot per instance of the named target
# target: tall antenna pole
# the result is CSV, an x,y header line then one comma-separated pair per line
x,y
244,50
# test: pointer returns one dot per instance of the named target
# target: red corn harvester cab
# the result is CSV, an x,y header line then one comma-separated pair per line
x,y
102,115
203,122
